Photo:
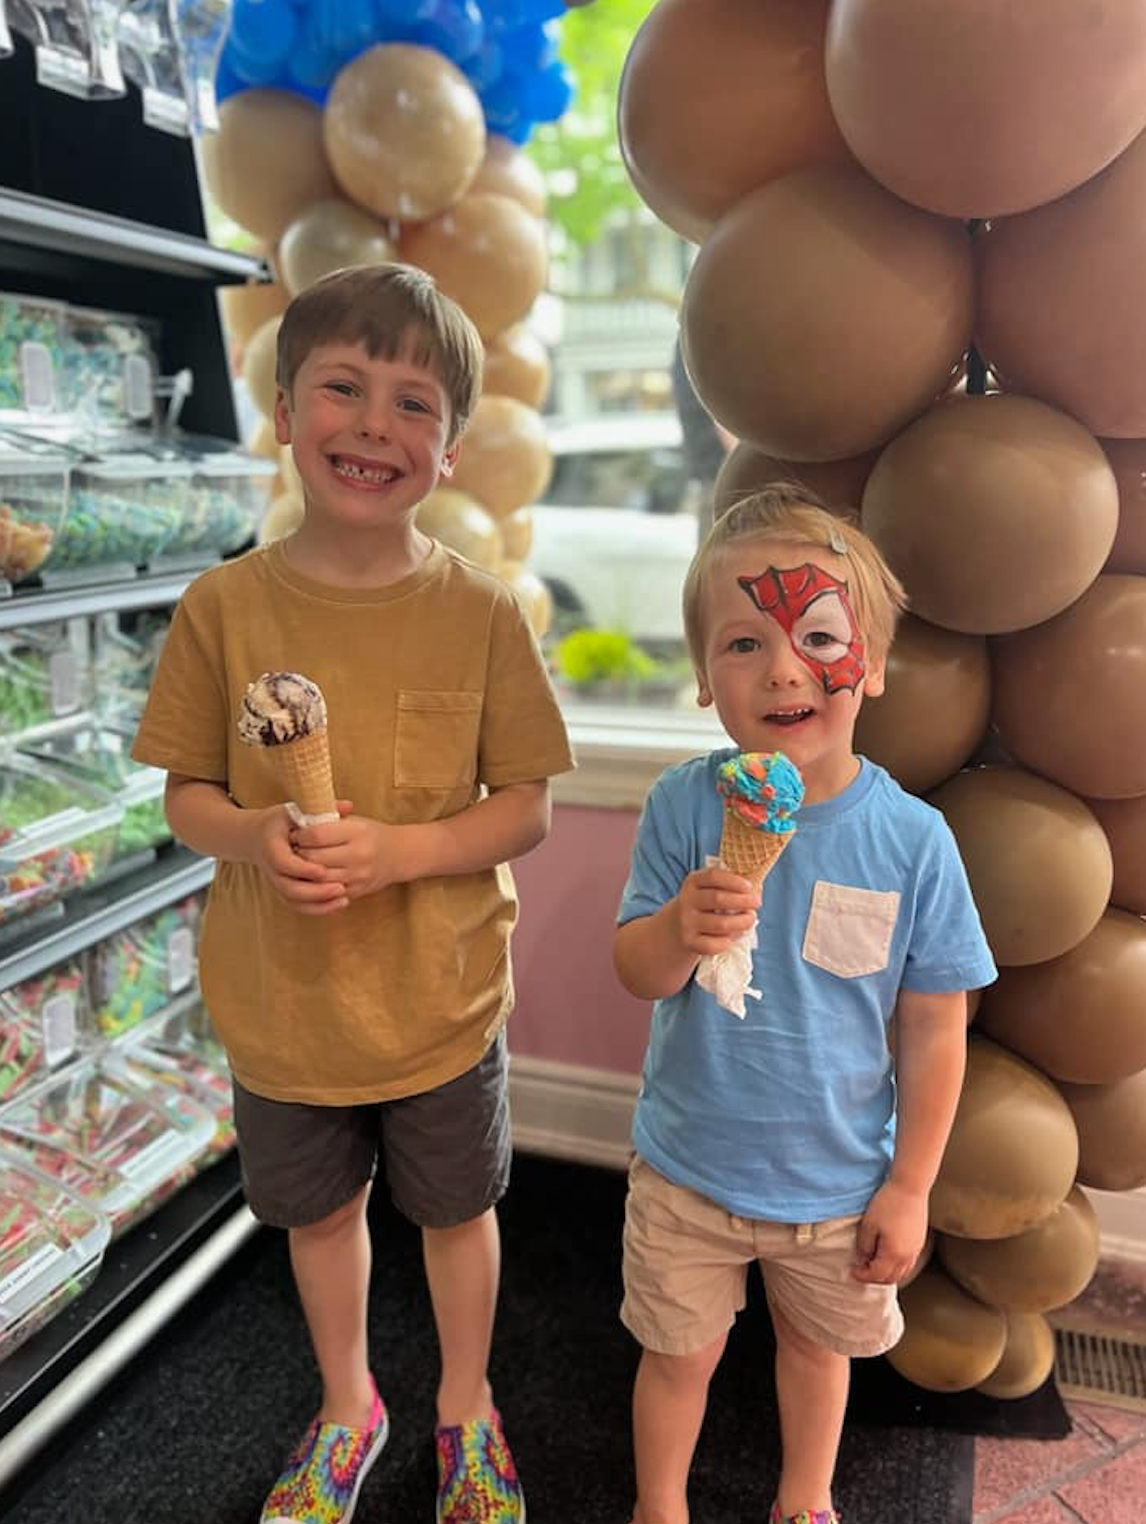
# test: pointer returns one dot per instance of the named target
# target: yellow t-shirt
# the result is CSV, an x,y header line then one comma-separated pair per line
x,y
434,687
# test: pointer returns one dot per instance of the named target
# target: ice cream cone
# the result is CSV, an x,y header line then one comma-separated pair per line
x,y
303,765
748,851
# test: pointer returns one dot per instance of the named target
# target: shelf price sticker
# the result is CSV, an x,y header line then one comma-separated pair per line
x,y
37,377
17,1280
180,960
58,1027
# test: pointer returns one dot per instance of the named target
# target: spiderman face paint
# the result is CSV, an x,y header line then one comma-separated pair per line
x,y
813,609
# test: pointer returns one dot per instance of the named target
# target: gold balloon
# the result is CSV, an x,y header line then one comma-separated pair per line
x,y
266,162
1081,1016
404,131
1124,821
977,109
1027,1359
505,460
259,366
534,596
263,441
822,314
507,171
247,308
517,534
283,517
933,711
1127,458
517,365
838,484
1036,1271
1013,1150
718,97
1070,694
1039,863
1059,312
1111,1123
486,252
950,1341
328,236
980,486
461,522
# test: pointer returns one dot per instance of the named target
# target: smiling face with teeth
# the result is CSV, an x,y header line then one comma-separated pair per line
x,y
784,657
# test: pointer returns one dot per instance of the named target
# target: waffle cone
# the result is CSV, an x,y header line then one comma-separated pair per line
x,y
303,767
749,852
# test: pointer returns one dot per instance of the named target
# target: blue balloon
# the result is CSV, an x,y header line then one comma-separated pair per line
x,y
455,28
527,48
390,13
251,68
546,96
227,82
312,66
484,68
519,130
543,10
263,32
344,27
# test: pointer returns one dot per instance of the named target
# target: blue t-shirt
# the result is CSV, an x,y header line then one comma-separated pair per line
x,y
789,1113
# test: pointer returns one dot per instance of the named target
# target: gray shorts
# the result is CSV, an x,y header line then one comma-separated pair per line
x,y
445,1154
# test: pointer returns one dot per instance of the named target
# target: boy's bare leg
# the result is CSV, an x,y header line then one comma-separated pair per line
x,y
463,1265
331,1263
669,1398
811,1393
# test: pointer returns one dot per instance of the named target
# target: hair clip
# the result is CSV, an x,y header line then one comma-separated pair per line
x,y
838,543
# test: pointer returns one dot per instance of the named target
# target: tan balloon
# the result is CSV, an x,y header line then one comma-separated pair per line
x,y
980,486
1027,1360
923,1259
1081,1016
517,534
1039,863
267,161
1124,821
1070,694
247,308
977,109
534,595
1059,311
404,131
263,441
259,366
517,365
505,460
1111,1123
822,314
1012,1153
1036,1271
838,484
507,171
933,711
328,236
461,522
1127,458
289,471
283,517
486,252
950,1341
718,97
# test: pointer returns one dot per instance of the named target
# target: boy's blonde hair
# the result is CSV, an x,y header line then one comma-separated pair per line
x,y
787,512
393,311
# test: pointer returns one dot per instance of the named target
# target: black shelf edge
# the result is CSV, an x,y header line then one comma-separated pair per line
x,y
102,911
76,231
37,605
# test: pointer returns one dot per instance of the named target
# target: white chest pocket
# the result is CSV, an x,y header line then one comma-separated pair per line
x,y
849,930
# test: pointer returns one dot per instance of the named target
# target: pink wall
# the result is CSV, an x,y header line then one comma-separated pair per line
x,y
570,1007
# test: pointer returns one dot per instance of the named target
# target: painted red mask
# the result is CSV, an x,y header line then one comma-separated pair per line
x,y
813,607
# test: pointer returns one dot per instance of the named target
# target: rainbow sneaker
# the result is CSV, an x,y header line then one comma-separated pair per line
x,y
324,1476
808,1516
477,1480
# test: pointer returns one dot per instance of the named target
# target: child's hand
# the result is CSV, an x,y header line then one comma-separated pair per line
x,y
361,855
890,1235
714,907
306,886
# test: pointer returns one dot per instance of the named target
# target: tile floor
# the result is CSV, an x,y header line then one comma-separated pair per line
x,y
1097,1474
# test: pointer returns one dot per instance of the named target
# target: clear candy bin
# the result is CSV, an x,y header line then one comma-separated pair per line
x,y
33,498
228,495
56,834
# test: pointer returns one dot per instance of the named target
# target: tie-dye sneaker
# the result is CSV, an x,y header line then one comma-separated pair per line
x,y
324,1476
808,1516
477,1480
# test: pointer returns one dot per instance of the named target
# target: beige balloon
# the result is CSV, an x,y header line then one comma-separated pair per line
x,y
486,252
1036,1271
404,131
283,517
838,484
289,471
1027,1360
1124,821
507,171
517,365
505,460
534,595
328,236
1111,1124
460,521
517,534
263,442
1039,863
259,364
246,308
1127,458
950,1341
266,163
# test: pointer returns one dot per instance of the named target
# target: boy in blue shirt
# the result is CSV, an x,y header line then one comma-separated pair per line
x,y
797,1136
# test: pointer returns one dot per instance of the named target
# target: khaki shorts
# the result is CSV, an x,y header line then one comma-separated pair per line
x,y
686,1269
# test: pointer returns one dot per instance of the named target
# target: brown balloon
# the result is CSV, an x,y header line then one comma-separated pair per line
x,y
718,97
329,236
1124,821
977,109
950,1341
267,162
246,308
517,365
933,711
507,171
1012,1154
259,366
1111,1124
517,534
460,521
505,460
404,131
1039,863
838,484
994,512
486,252
1059,310
1036,1271
1070,694
1027,1360
1127,458
822,314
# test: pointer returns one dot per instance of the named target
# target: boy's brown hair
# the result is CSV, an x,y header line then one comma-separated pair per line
x,y
788,512
394,311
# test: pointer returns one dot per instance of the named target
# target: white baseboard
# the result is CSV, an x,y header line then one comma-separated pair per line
x,y
564,1111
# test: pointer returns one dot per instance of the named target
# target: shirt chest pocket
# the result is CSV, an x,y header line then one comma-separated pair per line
x,y
849,930
436,737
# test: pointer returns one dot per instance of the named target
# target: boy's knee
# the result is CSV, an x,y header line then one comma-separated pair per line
x,y
688,1370
339,1220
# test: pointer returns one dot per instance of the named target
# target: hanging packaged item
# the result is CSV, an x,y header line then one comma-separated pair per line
x,y
76,44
